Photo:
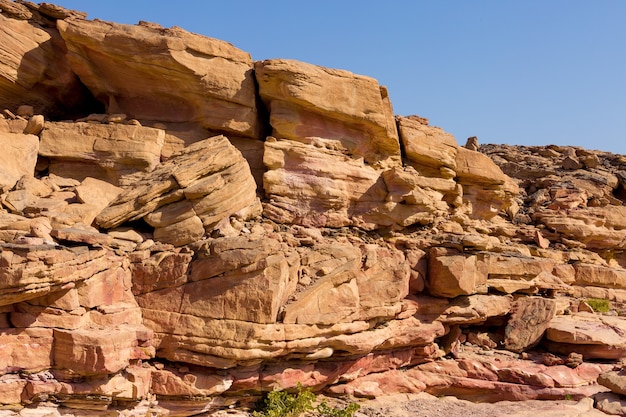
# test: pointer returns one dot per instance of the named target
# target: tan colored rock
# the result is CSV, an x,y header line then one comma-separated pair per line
x,y
47,317
595,336
25,349
18,158
196,188
381,384
341,294
510,274
96,192
485,186
350,113
428,148
451,273
248,283
571,163
178,234
41,227
478,169
35,125
35,70
600,276
541,241
187,383
105,152
80,235
353,290
33,271
610,404
475,309
314,186
472,143
339,190
152,272
99,351
529,320
614,380
384,282
178,77
595,227
107,288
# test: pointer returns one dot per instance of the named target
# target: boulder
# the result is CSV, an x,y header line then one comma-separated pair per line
x,y
475,309
596,228
25,350
233,278
599,276
311,185
178,76
614,380
339,110
451,273
609,403
18,158
353,290
529,319
195,189
430,150
594,336
95,351
30,271
105,152
485,186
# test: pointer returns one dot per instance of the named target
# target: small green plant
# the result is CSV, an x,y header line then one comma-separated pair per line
x,y
284,404
324,410
568,397
599,305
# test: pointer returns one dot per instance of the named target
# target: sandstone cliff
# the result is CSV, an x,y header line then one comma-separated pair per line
x,y
183,229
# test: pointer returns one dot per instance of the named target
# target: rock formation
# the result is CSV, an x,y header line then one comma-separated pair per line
x,y
183,229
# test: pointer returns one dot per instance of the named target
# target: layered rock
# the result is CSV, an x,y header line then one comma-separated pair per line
x,y
107,152
189,195
34,69
143,271
346,150
592,336
178,76
18,158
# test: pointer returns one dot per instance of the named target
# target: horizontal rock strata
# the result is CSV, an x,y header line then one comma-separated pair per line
x,y
183,229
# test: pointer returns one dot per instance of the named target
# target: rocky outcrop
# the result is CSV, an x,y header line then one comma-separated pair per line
x,y
219,227
34,69
107,152
18,159
189,195
178,76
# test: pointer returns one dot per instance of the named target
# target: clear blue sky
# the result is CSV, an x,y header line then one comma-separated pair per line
x,y
526,72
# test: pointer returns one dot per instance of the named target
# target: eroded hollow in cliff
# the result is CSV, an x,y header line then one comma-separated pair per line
x,y
619,192
83,103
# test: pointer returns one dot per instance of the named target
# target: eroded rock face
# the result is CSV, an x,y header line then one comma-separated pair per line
x,y
185,268
593,336
34,68
188,195
338,109
107,152
529,319
18,158
178,77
